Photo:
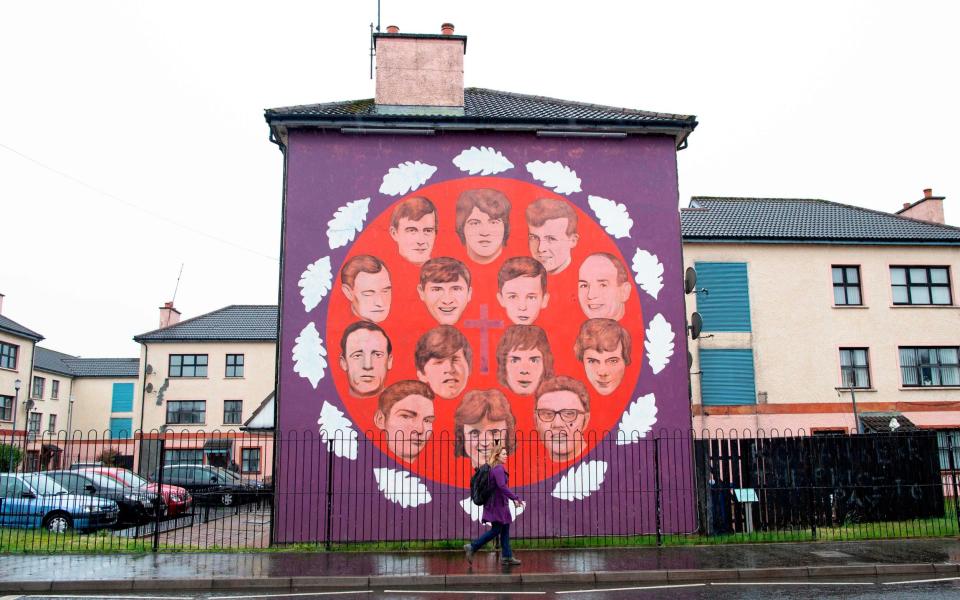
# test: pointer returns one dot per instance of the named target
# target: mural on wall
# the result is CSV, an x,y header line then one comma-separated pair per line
x,y
488,302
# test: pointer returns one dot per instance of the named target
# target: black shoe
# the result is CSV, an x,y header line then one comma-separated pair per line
x,y
468,549
509,562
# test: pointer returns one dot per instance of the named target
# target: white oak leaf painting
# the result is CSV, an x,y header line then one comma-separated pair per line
x,y
406,177
580,481
315,282
649,272
555,175
309,355
401,487
346,222
613,216
659,343
335,426
638,420
482,161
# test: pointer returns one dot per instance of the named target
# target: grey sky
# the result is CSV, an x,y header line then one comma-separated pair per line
x,y
158,107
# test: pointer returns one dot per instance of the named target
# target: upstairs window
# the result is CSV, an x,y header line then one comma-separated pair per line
x,y
52,424
8,356
38,385
930,366
854,368
234,365
54,389
6,408
188,365
33,423
920,285
846,286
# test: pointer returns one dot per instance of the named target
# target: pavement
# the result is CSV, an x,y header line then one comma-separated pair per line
x,y
306,571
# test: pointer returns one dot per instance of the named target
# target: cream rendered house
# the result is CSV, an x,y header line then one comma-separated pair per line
x,y
17,345
812,310
200,380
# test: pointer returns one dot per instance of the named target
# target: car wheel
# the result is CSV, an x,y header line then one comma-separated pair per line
x,y
227,499
58,522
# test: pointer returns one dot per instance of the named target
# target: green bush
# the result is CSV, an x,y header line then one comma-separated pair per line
x,y
10,457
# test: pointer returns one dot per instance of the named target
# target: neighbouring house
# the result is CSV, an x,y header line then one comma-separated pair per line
x,y
814,311
200,380
17,379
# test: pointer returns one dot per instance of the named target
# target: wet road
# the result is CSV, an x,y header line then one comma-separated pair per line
x,y
892,588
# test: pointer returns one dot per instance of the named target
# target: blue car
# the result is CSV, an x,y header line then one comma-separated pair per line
x,y
31,500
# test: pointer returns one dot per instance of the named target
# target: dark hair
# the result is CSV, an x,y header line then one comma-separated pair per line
x,y
363,263
443,269
396,392
363,325
544,209
602,335
477,405
562,383
521,266
491,202
413,208
443,341
523,337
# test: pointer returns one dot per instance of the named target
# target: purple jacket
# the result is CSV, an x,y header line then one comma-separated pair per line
x,y
496,509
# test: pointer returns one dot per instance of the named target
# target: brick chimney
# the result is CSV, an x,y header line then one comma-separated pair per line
x,y
416,70
929,208
168,315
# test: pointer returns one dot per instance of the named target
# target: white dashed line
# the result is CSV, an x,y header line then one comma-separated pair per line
x,y
626,589
794,583
287,595
455,592
921,581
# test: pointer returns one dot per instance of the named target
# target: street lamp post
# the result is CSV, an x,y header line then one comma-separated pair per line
x,y
850,387
16,396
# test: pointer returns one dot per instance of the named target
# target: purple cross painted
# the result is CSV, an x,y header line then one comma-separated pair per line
x,y
484,324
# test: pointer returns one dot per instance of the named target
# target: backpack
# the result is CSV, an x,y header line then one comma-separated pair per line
x,y
481,485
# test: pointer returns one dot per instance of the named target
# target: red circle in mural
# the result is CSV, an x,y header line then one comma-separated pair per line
x,y
466,357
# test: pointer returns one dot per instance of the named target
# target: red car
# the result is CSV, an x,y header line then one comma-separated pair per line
x,y
177,499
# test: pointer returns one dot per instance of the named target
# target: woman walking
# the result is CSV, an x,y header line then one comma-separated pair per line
x,y
496,511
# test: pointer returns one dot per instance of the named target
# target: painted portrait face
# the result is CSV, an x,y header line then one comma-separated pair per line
x,y
370,295
604,370
561,420
484,236
415,238
446,376
408,426
524,370
478,439
523,298
445,301
551,245
366,362
601,297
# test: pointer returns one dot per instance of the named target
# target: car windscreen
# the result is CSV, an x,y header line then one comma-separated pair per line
x,y
226,474
106,483
43,485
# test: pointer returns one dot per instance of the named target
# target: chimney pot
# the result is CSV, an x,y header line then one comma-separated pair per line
x,y
393,29
928,193
446,29
906,205
168,315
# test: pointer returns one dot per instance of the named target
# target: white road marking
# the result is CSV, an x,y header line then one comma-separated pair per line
x,y
9,597
91,595
290,595
455,592
793,583
625,589
921,581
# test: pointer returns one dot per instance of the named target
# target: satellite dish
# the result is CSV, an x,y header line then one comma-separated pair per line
x,y
148,370
149,388
689,359
696,325
689,280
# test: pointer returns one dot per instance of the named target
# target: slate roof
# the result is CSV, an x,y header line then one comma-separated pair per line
x,y
880,423
492,108
11,326
236,323
804,220
74,366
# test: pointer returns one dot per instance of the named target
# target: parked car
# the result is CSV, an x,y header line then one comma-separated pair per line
x,y
136,505
30,500
177,500
212,485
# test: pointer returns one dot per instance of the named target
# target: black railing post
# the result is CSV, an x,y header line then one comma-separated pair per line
x,y
656,483
156,516
953,478
327,522
807,458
